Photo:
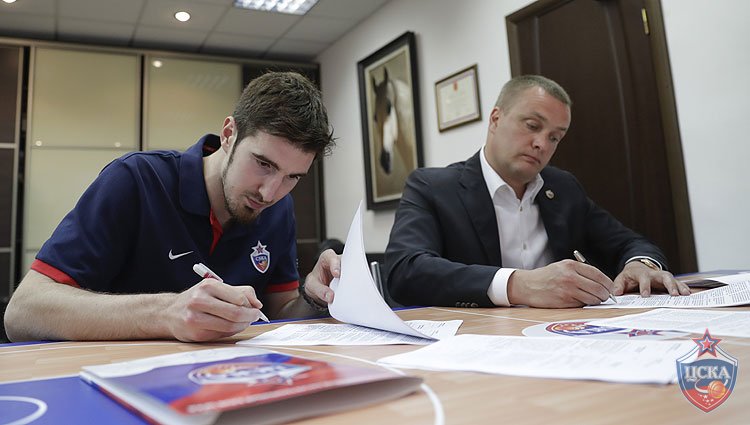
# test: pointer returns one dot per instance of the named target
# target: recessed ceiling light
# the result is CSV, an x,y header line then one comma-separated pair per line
x,y
9,1
294,7
157,63
182,16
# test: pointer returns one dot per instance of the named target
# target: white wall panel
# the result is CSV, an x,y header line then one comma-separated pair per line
x,y
84,99
186,99
55,180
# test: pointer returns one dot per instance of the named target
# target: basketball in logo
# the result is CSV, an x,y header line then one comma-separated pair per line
x,y
707,373
260,258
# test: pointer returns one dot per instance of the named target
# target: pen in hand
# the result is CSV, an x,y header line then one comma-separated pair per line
x,y
582,259
203,271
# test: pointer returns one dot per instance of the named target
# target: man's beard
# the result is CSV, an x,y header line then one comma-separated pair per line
x,y
238,213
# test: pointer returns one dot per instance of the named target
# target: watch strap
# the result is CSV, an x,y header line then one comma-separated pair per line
x,y
648,263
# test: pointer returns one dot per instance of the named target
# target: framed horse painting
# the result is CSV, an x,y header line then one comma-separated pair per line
x,y
391,130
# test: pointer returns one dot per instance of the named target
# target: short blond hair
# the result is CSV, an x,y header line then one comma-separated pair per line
x,y
516,85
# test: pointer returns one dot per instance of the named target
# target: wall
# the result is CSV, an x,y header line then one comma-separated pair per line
x,y
703,42
450,37
709,47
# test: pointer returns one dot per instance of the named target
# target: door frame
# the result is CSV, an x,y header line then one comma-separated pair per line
x,y
654,24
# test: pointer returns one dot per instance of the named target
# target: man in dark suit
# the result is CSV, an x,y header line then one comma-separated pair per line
x,y
500,228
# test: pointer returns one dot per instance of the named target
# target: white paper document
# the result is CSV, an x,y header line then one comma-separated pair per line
x,y
357,301
737,292
345,334
727,323
561,358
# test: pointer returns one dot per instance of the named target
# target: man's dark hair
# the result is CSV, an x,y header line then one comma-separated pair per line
x,y
288,105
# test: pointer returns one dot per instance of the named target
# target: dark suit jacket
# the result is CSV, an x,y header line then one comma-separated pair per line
x,y
444,247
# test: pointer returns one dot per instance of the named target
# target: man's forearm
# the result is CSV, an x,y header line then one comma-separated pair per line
x,y
299,308
67,313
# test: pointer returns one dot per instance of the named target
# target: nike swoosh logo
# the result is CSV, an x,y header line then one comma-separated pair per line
x,y
174,257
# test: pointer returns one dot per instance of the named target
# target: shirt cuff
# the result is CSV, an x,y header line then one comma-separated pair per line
x,y
498,290
282,287
53,273
638,257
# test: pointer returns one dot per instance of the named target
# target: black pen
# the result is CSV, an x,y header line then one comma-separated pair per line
x,y
582,259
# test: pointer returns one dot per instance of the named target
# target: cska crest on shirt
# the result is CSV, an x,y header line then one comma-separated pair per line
x,y
260,257
707,381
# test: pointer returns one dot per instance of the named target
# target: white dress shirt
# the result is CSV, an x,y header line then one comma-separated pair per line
x,y
523,238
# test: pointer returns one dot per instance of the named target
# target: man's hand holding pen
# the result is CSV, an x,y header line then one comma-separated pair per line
x,y
211,309
581,259
202,270
563,284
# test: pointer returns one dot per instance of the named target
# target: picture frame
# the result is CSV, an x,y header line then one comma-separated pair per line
x,y
457,99
390,113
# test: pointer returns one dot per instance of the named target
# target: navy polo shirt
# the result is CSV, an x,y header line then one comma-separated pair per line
x,y
145,221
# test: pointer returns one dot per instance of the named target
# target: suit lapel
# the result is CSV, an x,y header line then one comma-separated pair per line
x,y
549,201
479,208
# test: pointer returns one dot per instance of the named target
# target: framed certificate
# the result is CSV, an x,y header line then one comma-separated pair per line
x,y
457,99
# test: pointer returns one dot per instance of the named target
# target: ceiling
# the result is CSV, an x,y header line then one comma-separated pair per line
x,y
216,27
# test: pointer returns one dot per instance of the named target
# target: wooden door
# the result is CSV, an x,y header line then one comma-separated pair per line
x,y
623,143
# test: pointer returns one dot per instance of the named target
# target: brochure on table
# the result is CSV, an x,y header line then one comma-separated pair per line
x,y
267,387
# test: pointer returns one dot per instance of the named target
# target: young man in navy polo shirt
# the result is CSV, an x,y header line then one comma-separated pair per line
x,y
120,264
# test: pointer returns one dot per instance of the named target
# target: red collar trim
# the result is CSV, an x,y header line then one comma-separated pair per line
x,y
216,229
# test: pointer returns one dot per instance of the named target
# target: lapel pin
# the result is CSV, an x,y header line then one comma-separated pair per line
x,y
550,194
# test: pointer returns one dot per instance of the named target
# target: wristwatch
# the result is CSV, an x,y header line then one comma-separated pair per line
x,y
649,263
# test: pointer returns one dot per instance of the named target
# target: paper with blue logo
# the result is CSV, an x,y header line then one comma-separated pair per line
x,y
267,387
627,362
721,322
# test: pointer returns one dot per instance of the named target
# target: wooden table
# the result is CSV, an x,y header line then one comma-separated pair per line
x,y
446,397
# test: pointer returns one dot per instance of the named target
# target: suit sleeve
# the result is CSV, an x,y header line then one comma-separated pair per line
x,y
611,243
422,267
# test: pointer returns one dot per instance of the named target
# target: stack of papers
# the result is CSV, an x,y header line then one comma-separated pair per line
x,y
736,292
561,358
728,323
345,334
